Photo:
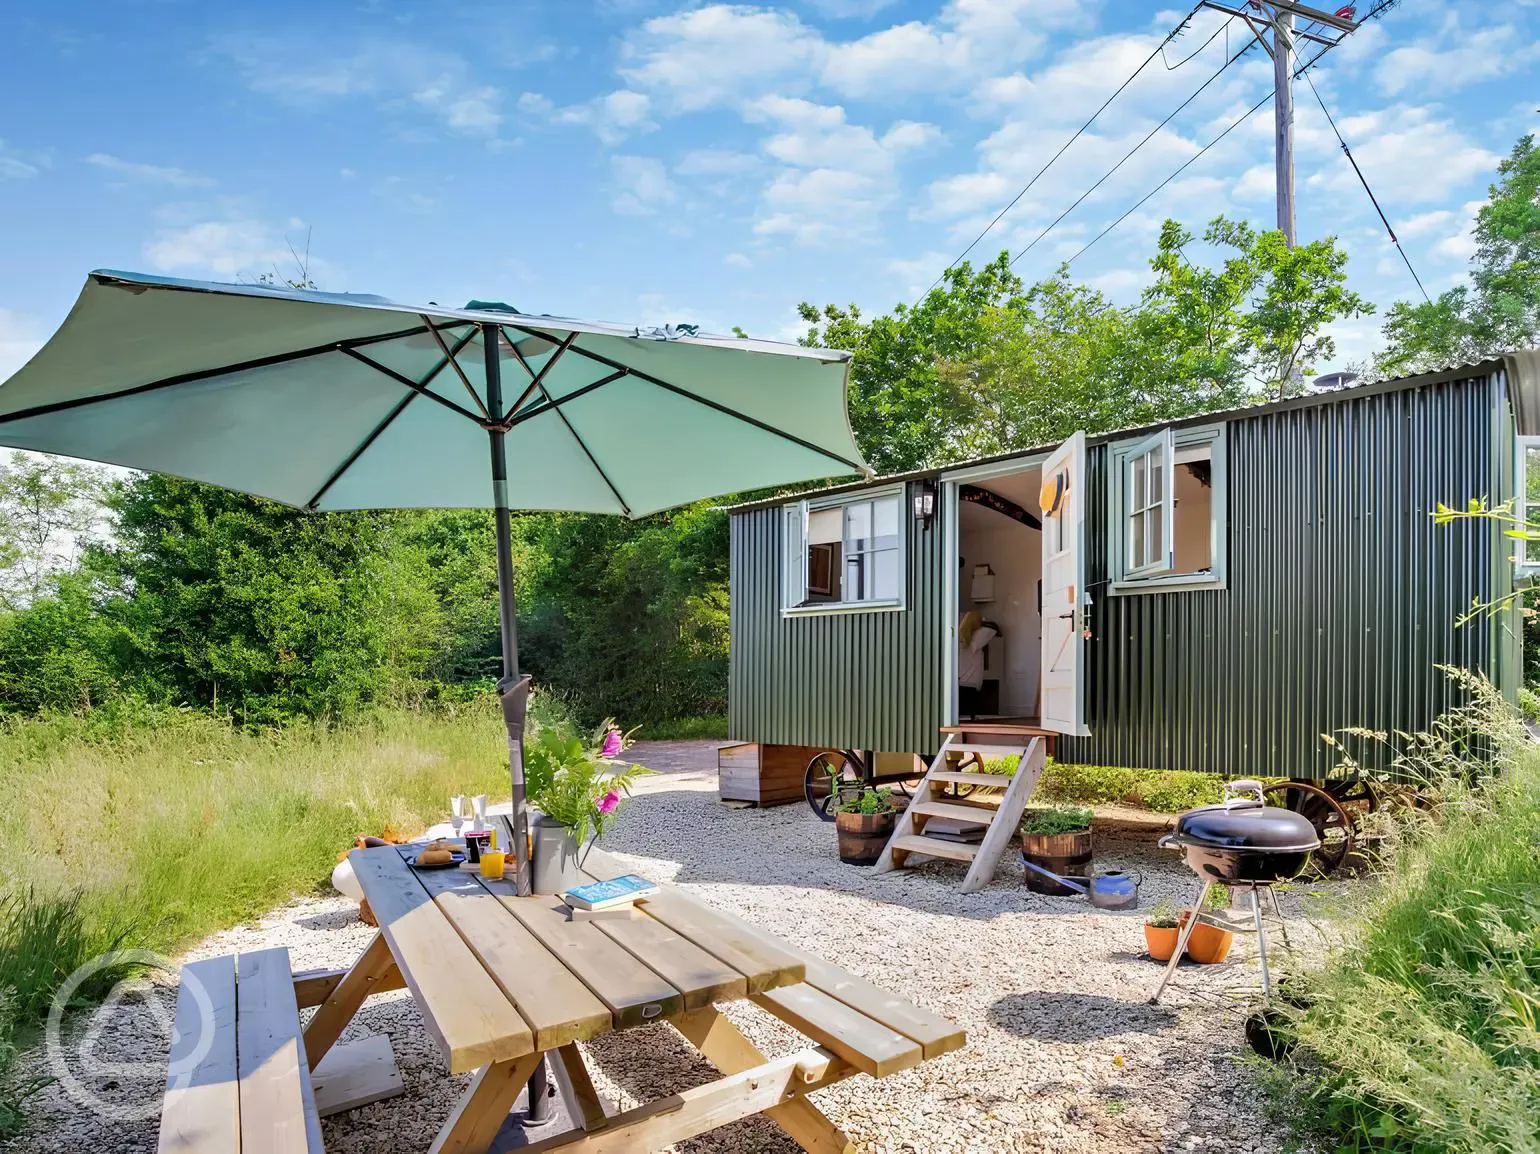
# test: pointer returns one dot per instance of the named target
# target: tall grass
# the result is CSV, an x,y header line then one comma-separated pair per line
x,y
151,828
1424,1033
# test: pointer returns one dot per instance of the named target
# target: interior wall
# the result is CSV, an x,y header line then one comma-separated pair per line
x,y
1194,523
1014,552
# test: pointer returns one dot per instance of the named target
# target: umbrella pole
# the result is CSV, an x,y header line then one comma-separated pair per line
x,y
511,688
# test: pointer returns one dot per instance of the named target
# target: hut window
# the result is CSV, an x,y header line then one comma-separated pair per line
x,y
845,553
1527,486
1167,511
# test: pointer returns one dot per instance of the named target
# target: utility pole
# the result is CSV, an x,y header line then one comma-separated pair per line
x,y
1272,23
1283,119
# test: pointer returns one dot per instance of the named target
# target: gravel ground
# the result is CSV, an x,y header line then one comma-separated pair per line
x,y
1063,1052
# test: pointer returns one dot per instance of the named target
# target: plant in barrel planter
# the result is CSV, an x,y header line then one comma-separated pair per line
x,y
1057,840
578,788
864,824
1161,929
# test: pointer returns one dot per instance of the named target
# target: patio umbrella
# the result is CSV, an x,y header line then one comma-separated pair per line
x,y
331,401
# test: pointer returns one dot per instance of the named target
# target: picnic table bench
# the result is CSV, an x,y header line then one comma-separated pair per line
x,y
503,981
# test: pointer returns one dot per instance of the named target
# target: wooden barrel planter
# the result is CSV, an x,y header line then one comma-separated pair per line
x,y
862,836
1066,854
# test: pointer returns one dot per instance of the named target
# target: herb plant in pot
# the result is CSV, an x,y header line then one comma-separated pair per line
x,y
1058,840
1161,930
578,788
864,824
1209,945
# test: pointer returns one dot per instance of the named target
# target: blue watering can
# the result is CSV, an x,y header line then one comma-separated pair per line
x,y
1109,890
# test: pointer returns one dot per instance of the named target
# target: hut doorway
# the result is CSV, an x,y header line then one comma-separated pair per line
x,y
994,619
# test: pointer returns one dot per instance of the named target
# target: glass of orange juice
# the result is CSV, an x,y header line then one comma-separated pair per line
x,y
492,863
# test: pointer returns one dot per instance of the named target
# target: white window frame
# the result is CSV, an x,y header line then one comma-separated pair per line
x,y
1522,565
1157,453
794,563
1120,456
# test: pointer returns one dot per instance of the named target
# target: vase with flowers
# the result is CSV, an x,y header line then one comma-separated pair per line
x,y
578,784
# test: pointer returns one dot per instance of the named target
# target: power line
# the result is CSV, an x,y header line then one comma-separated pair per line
x,y
1129,155
1348,152
1065,147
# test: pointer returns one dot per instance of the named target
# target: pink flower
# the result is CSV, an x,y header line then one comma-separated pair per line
x,y
612,744
610,801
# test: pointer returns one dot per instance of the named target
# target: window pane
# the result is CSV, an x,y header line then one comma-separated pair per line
x,y
885,517
855,572
885,575
825,526
858,525
1157,473
1136,540
1153,534
1136,498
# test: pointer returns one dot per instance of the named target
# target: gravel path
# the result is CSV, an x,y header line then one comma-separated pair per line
x,y
1063,1053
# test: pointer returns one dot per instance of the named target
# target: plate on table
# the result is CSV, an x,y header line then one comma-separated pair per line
x,y
455,858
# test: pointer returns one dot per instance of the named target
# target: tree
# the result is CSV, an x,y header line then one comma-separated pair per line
x,y
1500,310
50,509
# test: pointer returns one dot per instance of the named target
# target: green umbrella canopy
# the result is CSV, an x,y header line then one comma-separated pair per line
x,y
340,401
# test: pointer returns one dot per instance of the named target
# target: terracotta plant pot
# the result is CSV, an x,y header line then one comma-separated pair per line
x,y
1161,941
1208,945
863,836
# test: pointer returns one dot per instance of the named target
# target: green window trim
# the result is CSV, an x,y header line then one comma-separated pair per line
x,y
1127,578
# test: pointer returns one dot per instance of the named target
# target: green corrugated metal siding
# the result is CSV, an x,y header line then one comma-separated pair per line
x,y
1342,597
850,680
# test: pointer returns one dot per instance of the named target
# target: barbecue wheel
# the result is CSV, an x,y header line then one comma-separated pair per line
x,y
830,779
1333,823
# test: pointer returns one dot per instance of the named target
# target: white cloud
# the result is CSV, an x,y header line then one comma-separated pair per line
x,y
1453,58
1407,156
737,260
1424,223
716,162
1257,183
399,73
14,166
1460,245
721,53
20,337
642,186
149,173
850,9
612,117
818,136
235,245
822,205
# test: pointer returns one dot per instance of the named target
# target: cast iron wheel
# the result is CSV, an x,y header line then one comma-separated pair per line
x,y
1354,794
1334,825
830,777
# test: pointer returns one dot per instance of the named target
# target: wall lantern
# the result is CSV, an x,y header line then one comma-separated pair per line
x,y
925,503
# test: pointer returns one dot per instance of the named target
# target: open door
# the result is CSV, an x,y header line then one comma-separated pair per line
x,y
1064,598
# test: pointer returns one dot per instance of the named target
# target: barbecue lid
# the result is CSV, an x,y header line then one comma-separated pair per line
x,y
1246,824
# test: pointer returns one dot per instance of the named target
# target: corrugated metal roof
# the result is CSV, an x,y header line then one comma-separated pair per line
x,y
1523,369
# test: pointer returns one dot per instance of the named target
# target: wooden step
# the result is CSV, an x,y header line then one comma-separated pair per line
x,y
988,752
969,814
963,777
935,847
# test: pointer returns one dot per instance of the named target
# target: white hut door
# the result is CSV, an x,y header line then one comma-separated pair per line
x,y
1064,598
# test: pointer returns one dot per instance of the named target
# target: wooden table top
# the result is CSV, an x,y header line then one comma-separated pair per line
x,y
498,976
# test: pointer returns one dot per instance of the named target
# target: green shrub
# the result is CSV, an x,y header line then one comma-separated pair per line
x,y
1163,790
1058,819
1421,1034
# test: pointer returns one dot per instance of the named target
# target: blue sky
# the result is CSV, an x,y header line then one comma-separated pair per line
x,y
647,161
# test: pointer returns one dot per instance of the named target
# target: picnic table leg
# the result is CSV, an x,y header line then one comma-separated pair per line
x,y
578,1087
724,1046
484,1106
333,1015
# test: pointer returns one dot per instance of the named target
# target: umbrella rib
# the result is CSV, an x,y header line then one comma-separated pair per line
x,y
603,476
374,434
455,364
539,378
541,410
205,374
710,404
403,379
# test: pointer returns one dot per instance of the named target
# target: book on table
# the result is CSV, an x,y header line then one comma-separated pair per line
x,y
608,894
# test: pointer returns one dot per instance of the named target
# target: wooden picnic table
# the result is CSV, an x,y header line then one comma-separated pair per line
x,y
503,980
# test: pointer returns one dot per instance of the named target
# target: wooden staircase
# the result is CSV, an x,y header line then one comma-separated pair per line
x,y
932,801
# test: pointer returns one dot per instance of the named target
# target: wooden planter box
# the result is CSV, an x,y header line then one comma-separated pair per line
x,y
763,774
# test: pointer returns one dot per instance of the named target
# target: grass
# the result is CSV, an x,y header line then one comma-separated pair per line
x,y
1423,1033
712,727
153,830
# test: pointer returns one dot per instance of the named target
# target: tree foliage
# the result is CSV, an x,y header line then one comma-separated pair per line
x,y
1500,309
